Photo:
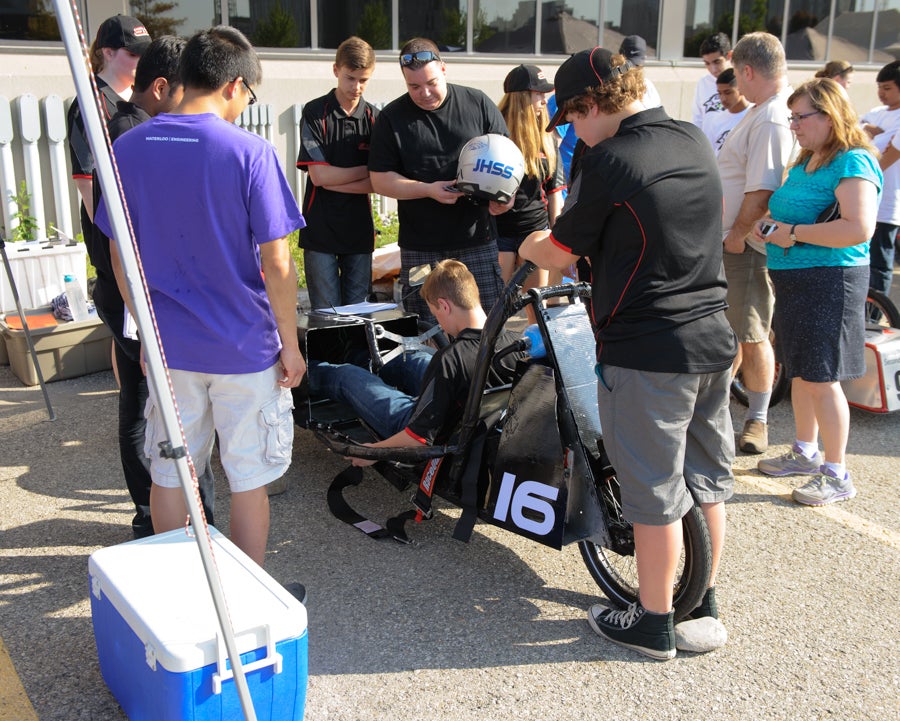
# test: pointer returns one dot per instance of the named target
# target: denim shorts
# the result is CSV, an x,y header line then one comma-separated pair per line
x,y
670,438
250,413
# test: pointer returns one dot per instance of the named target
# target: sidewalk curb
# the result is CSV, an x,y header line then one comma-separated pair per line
x,y
14,702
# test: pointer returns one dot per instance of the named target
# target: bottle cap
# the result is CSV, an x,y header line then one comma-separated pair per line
x,y
68,278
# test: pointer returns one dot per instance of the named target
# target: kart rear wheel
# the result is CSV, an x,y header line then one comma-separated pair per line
x,y
881,311
615,569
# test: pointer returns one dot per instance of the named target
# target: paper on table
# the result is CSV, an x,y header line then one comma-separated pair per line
x,y
357,308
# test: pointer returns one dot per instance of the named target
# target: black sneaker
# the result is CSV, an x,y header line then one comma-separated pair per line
x,y
297,590
141,525
707,606
652,634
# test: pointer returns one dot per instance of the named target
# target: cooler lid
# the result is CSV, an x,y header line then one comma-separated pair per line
x,y
158,586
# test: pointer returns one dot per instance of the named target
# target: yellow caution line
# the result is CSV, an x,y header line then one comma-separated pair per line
x,y
835,511
14,703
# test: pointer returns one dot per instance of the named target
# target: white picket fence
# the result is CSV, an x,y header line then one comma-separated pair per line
x,y
34,148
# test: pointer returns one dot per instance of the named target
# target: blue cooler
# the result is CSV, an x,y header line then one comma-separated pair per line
x,y
158,639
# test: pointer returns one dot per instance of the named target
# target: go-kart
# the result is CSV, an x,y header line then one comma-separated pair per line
x,y
527,457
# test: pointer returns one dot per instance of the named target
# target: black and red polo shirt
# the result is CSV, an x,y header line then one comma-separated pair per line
x,y
336,223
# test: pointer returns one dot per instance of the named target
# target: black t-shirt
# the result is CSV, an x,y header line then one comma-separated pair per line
x,y
529,212
107,298
646,208
337,223
80,150
445,386
424,145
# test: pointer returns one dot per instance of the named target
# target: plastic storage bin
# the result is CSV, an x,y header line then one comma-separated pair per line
x,y
157,632
38,269
67,350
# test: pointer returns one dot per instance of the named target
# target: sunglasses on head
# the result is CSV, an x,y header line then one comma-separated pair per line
x,y
423,56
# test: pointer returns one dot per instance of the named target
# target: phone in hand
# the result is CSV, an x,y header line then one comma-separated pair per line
x,y
767,227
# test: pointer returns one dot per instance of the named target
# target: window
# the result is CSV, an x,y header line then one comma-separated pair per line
x,y
266,23
443,21
504,26
368,19
804,26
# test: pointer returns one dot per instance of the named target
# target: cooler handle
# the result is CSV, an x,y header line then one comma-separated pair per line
x,y
224,673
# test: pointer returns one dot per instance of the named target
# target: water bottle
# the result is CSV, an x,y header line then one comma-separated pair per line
x,y
533,334
77,304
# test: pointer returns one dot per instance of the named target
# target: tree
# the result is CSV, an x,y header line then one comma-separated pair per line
x,y
154,16
375,26
278,30
454,33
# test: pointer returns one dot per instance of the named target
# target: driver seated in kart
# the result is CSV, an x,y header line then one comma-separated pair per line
x,y
406,421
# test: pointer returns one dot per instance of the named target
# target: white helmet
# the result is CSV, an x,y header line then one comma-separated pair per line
x,y
490,167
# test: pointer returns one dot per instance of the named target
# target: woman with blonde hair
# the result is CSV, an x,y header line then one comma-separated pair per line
x,y
538,201
839,71
818,257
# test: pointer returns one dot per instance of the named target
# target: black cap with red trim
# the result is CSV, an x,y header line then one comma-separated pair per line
x,y
581,72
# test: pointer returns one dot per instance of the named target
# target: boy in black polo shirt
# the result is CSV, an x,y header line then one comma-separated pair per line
x,y
334,150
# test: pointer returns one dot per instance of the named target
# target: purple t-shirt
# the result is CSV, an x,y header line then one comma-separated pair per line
x,y
203,194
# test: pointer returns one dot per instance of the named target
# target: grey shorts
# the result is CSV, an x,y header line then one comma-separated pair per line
x,y
250,413
750,296
670,438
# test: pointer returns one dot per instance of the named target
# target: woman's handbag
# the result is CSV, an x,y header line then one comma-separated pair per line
x,y
832,212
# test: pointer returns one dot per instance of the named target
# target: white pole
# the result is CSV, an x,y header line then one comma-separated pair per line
x,y
156,372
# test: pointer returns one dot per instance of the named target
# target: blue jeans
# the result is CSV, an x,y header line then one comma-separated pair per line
x,y
385,401
333,280
881,257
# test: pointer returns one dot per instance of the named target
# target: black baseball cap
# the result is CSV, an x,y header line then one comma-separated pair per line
x,y
581,72
634,47
123,31
526,77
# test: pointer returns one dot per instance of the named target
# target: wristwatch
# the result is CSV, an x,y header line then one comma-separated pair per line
x,y
793,238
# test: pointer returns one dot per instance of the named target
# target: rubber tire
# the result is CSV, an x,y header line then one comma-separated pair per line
x,y
880,301
690,585
780,386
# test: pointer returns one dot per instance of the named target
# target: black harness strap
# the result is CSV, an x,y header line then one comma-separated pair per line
x,y
340,509
468,500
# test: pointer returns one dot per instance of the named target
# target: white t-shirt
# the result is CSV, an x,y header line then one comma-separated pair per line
x,y
889,122
651,96
716,126
889,207
754,156
706,100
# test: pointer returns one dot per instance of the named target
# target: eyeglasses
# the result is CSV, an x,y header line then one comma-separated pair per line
x,y
423,56
795,119
249,90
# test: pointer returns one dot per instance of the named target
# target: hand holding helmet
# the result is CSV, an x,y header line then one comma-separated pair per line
x,y
491,167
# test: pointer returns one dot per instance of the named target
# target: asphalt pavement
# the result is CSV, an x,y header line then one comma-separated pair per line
x,y
493,629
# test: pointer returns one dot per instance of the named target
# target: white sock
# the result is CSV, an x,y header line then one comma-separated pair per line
x,y
809,450
838,469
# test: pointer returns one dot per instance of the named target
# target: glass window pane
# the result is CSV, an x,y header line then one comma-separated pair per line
x,y
632,17
567,27
443,21
28,20
268,23
368,19
854,26
705,17
504,26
